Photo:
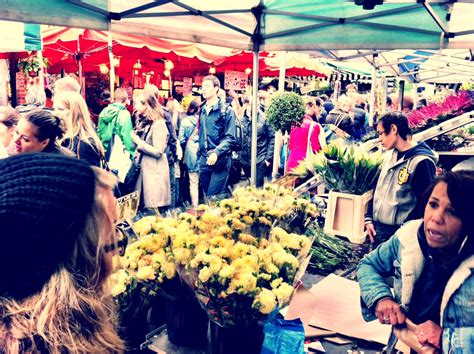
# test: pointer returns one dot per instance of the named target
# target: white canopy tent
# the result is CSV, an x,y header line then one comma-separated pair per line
x,y
270,25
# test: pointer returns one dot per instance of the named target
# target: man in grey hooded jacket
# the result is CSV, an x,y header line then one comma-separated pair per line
x,y
408,169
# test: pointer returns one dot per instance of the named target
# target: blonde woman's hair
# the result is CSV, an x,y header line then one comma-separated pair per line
x,y
73,312
153,110
345,103
79,122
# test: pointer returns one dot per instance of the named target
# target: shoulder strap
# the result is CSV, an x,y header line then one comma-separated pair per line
x,y
339,119
309,148
204,130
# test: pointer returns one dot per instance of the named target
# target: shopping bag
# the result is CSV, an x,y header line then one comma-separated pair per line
x,y
120,160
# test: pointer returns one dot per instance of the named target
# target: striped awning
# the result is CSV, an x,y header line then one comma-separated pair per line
x,y
19,37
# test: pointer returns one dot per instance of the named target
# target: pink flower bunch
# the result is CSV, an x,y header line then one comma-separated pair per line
x,y
452,104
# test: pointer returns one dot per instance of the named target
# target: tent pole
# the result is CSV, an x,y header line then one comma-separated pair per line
x,y
257,40
278,134
401,94
112,68
255,109
372,93
39,55
79,67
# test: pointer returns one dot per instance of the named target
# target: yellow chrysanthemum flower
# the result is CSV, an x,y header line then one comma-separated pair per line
x,y
146,273
265,301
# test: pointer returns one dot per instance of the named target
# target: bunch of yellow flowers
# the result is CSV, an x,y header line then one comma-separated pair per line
x,y
240,265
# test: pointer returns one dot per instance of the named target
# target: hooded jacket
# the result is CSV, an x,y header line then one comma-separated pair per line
x,y
402,257
122,126
265,139
394,198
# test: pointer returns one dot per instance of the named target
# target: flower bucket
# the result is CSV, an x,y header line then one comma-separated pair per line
x,y
236,340
187,323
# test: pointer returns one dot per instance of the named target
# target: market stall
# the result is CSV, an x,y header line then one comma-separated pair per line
x,y
314,26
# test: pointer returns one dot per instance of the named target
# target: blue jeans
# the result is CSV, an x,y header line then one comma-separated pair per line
x,y
213,182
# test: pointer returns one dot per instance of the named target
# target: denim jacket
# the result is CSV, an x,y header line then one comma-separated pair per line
x,y
189,140
402,258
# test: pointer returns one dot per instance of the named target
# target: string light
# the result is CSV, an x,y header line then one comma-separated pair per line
x,y
212,70
116,61
167,73
137,65
103,69
248,71
169,65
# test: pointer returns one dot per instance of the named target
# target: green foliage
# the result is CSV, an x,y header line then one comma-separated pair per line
x,y
32,64
286,110
347,168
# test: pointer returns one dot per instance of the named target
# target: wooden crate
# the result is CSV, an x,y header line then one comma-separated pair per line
x,y
345,215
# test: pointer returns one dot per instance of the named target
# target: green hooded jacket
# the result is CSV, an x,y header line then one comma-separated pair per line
x,y
118,115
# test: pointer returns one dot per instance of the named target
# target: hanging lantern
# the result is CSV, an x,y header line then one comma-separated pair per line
x,y
167,73
103,69
116,61
137,65
169,65
248,71
212,70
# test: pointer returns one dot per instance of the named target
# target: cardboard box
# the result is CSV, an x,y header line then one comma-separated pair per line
x,y
345,215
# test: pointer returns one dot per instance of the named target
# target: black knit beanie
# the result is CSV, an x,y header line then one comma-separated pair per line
x,y
44,201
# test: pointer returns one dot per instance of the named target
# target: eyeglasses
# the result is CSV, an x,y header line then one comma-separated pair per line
x,y
309,104
380,133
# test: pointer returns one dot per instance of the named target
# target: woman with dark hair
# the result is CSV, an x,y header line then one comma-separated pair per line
x,y
431,260
407,169
189,140
39,131
151,138
57,216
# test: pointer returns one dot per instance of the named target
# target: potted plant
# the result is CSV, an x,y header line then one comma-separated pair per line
x,y
286,110
350,173
31,65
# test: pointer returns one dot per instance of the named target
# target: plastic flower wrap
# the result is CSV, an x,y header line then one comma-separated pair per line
x,y
346,168
149,261
239,264
240,277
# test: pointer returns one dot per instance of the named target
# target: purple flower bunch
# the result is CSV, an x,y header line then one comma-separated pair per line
x,y
454,104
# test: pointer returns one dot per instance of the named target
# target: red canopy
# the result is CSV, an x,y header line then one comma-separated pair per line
x,y
61,47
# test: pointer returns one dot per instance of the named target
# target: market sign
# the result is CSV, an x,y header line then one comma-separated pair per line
x,y
187,86
235,80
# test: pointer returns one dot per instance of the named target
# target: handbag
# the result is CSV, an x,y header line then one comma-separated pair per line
x,y
332,131
131,179
309,147
118,158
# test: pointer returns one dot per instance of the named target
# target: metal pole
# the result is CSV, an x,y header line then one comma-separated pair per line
x,y
39,55
278,134
372,93
253,164
401,94
112,68
79,68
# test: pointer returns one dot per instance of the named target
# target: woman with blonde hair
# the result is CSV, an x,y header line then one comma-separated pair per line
x,y
151,137
57,215
80,136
